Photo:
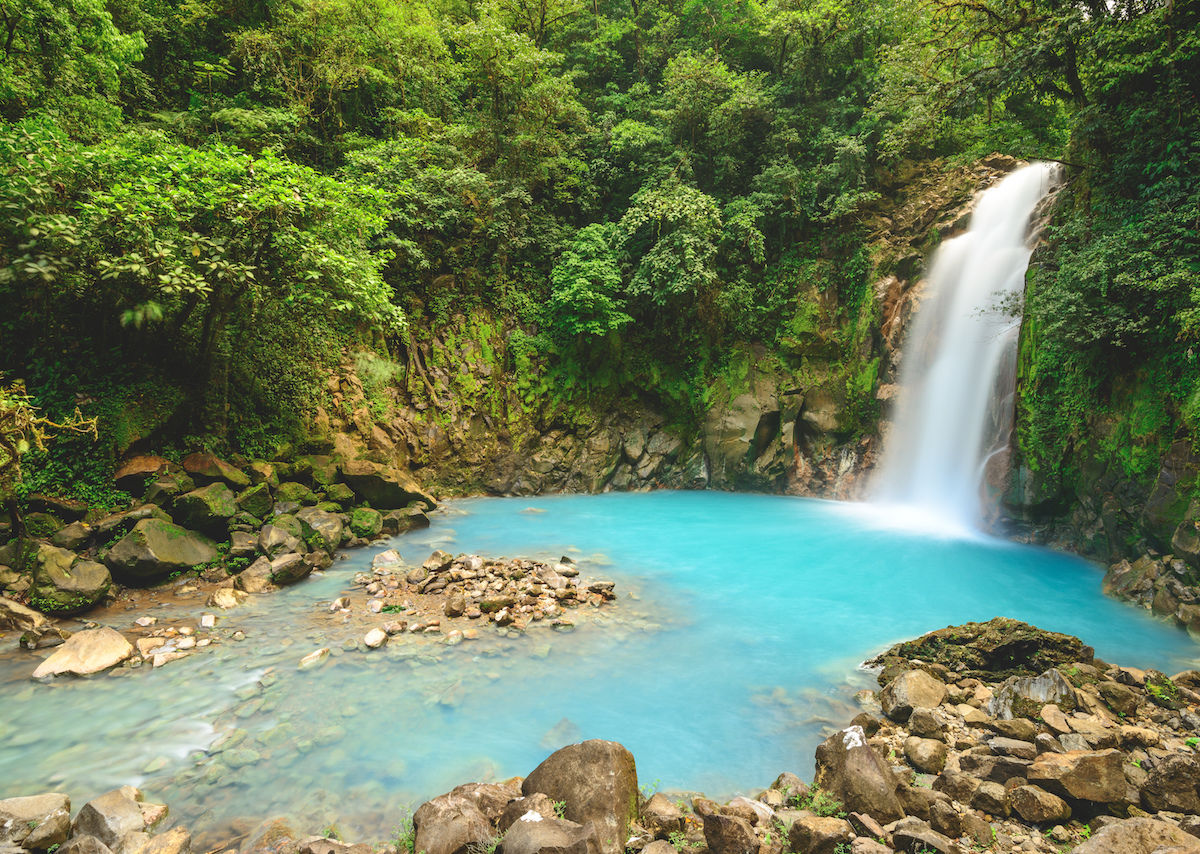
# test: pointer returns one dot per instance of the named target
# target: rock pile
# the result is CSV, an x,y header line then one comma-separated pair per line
x,y
117,822
1167,586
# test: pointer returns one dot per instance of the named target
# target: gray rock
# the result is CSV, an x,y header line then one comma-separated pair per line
x,y
206,509
274,541
1173,785
156,548
924,839
597,780
289,568
1139,836
66,583
14,615
74,536
385,488
1037,691
84,845
110,818
322,530
257,577
1084,775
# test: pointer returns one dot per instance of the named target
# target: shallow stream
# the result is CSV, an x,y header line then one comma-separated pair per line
x,y
734,645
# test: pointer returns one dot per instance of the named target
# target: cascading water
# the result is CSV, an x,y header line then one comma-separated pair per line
x,y
958,369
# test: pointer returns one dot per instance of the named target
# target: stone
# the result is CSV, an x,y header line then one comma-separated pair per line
x,y
66,583
926,754
1083,775
256,578
1037,806
923,723
365,522
375,638
1024,696
243,544
456,605
35,822
317,656
924,840
1012,747
255,500
450,824
819,834
865,845
15,616
226,598
403,521
289,568
177,840
991,798
156,548
290,492
850,770
86,652
910,690
1120,698
960,787
533,833
1054,718
999,648
521,806
73,537
1139,836
133,473
385,488
274,541
207,509
662,817
597,781
207,469
322,530
1173,784
111,818
84,845
726,834
998,769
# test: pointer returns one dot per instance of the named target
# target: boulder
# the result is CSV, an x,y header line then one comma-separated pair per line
x,y
206,468
134,473
84,845
662,817
597,781
450,824
850,770
820,835
365,522
166,486
65,583
290,492
1173,784
924,840
175,841
85,652
1024,696
1083,775
403,521
1139,836
257,577
927,755
155,549
243,544
521,806
112,818
322,530
726,834
999,648
385,488
36,822
274,541
74,536
910,690
533,833
255,500
206,509
1037,806
289,568
262,472
15,616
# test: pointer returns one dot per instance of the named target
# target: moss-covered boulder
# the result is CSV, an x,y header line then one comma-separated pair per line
x,y
292,492
340,494
263,472
290,524
206,509
322,530
154,549
383,487
256,500
365,522
41,525
207,468
402,521
318,470
997,649
136,472
65,583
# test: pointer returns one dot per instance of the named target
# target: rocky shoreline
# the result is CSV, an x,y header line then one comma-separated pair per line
x,y
990,736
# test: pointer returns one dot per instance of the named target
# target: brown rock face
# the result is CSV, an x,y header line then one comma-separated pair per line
x,y
818,835
450,824
1084,775
911,690
661,817
853,773
727,834
597,780
1139,836
36,822
533,834
926,754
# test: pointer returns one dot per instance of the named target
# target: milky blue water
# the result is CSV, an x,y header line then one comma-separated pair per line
x,y
733,648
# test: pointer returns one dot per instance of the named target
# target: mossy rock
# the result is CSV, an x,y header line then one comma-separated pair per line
x,y
154,549
997,649
65,583
292,492
290,524
256,500
316,469
207,509
365,522
329,506
322,530
339,493
40,525
1162,691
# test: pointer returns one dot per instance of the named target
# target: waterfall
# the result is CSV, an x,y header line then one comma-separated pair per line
x,y
958,365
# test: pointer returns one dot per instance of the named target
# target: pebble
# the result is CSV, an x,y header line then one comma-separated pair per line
x,y
208,621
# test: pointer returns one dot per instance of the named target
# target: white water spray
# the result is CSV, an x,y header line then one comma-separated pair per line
x,y
958,372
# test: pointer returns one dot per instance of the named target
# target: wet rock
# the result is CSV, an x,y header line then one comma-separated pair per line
x,y
375,638
317,656
66,583
36,822
910,690
726,834
450,824
533,833
365,522
1139,836
1173,784
14,615
157,548
1037,806
597,780
853,773
207,509
112,818
819,835
86,652
1083,775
